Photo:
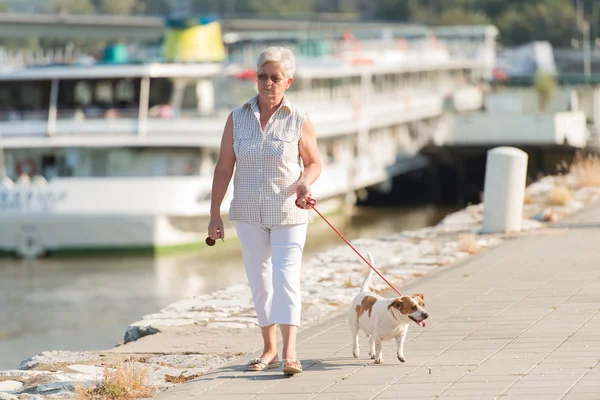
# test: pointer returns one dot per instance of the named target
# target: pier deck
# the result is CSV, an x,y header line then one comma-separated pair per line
x,y
518,321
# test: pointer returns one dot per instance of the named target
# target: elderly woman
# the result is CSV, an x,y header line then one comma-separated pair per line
x,y
271,144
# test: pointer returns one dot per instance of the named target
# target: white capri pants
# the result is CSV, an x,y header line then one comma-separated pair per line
x,y
272,260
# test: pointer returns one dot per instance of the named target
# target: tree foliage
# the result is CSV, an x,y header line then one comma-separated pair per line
x,y
396,10
74,6
284,8
119,7
519,21
455,16
545,85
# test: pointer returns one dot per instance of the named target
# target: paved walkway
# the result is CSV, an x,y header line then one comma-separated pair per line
x,y
519,321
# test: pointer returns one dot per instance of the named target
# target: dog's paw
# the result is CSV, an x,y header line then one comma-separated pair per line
x,y
379,361
372,356
356,353
402,359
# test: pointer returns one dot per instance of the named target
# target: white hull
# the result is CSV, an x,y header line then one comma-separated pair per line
x,y
108,214
39,234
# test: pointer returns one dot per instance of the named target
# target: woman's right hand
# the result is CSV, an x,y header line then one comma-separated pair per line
x,y
215,228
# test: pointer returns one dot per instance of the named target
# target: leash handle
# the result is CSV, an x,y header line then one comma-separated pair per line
x,y
312,202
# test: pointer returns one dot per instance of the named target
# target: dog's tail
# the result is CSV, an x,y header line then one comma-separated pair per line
x,y
365,285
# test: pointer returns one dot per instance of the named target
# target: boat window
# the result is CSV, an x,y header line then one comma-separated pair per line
x,y
189,100
6,90
355,83
83,93
24,100
31,96
377,83
124,90
161,90
104,92
95,98
160,98
330,151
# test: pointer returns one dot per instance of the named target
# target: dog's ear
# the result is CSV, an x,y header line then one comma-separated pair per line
x,y
419,297
397,303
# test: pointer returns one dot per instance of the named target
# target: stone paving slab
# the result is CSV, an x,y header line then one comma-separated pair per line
x,y
518,321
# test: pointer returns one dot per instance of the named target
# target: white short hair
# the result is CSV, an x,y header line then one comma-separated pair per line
x,y
283,55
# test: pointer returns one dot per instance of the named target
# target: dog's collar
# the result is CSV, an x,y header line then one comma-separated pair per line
x,y
394,315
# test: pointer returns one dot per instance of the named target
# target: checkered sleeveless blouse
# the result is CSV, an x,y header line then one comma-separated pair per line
x,y
268,165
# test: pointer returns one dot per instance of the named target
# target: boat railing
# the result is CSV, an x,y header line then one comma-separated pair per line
x,y
159,112
197,124
23,115
25,57
96,113
414,50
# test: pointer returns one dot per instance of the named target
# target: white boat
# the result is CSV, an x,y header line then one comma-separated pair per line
x,y
120,157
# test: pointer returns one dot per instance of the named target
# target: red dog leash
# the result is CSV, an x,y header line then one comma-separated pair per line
x,y
312,203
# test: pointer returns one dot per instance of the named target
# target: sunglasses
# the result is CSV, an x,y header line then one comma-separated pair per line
x,y
274,78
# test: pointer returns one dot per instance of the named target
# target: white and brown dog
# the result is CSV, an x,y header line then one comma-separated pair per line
x,y
383,319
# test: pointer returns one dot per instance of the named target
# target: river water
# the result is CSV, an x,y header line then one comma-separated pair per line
x,y
87,303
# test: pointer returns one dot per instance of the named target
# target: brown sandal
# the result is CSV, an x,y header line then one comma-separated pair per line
x,y
291,366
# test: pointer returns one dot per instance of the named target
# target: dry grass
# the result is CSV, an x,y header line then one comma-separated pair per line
x,y
560,196
120,383
586,170
349,283
181,378
467,243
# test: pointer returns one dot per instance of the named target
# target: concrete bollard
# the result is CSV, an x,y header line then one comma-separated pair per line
x,y
504,190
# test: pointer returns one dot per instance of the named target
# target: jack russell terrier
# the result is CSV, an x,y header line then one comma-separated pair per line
x,y
383,319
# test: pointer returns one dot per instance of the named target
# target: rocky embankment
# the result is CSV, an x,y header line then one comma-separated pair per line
x,y
330,280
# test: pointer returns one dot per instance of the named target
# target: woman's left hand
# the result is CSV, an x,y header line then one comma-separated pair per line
x,y
303,193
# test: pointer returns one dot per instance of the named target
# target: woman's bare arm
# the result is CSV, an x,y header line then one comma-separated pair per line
x,y
309,152
222,177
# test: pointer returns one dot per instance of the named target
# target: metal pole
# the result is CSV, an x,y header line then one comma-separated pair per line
x,y
585,30
2,160
143,106
587,67
52,112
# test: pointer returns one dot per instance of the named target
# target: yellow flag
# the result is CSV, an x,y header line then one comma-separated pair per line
x,y
200,43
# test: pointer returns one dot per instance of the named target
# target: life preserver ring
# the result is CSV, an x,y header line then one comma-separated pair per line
x,y
26,166
29,244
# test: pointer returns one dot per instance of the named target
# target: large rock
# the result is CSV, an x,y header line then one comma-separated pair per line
x,y
14,373
55,387
10,386
58,357
135,332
